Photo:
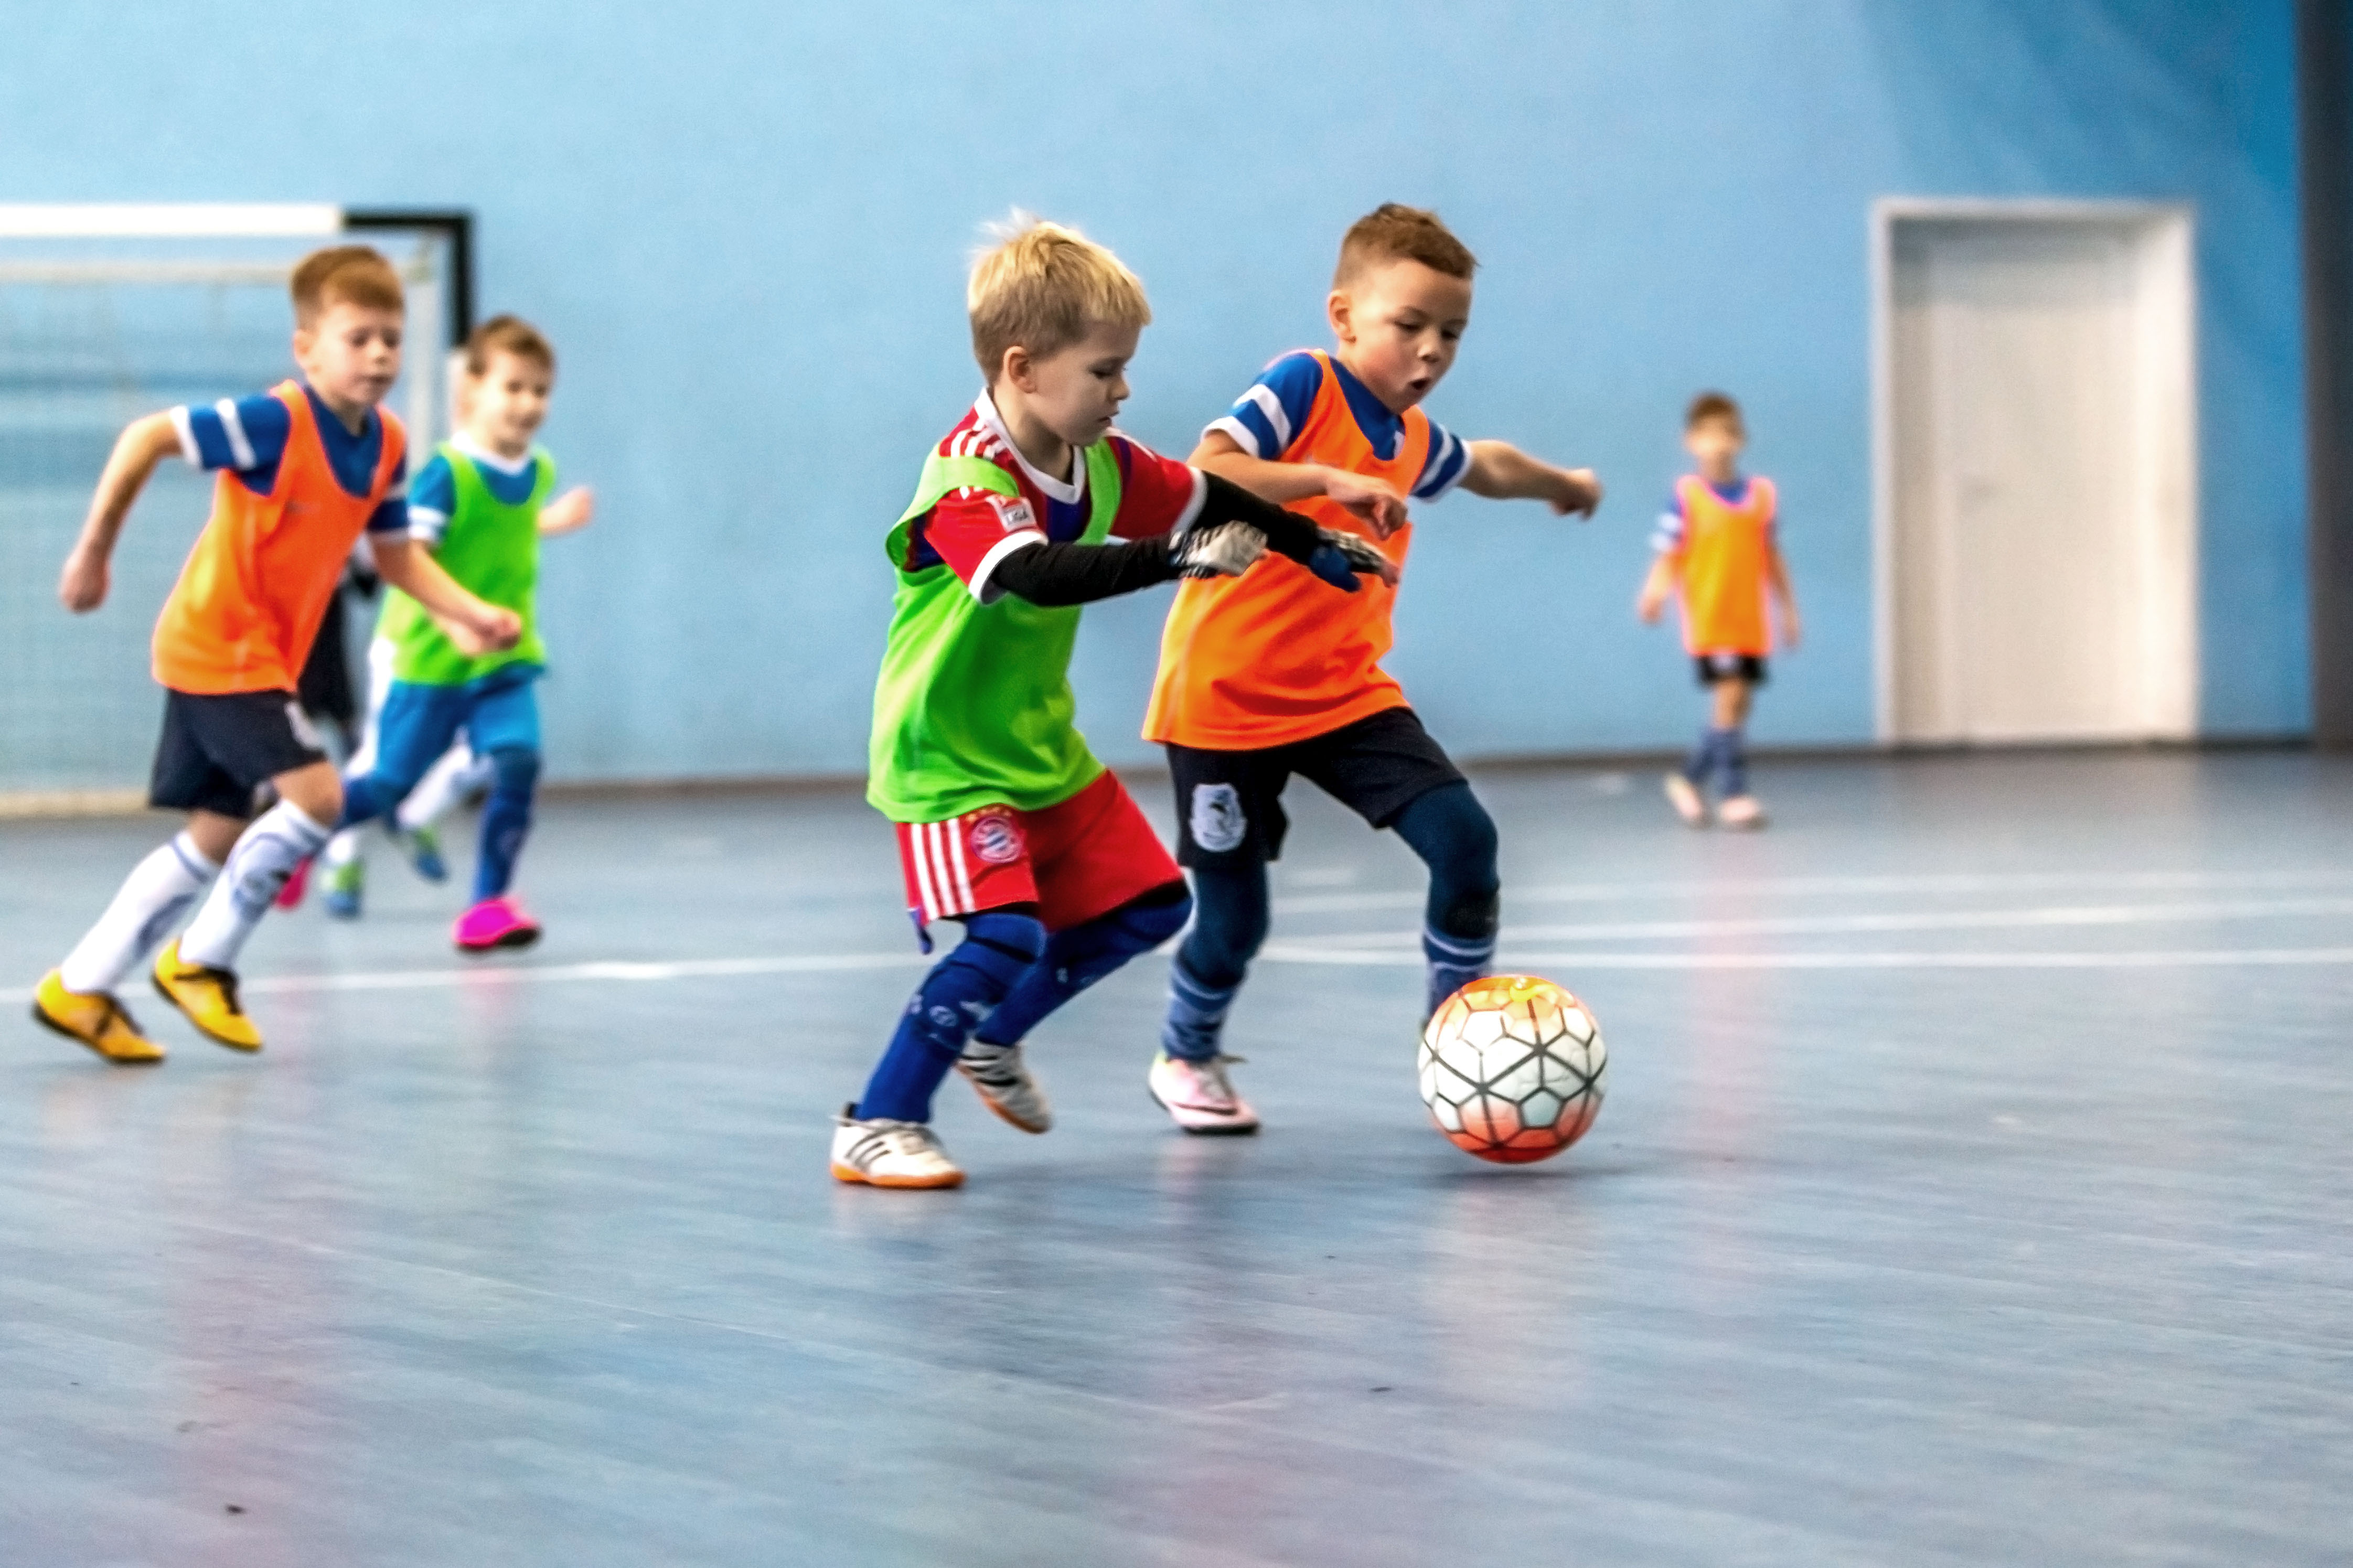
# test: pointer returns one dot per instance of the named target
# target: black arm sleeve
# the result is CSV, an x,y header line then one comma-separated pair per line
x,y
1061,574
1287,532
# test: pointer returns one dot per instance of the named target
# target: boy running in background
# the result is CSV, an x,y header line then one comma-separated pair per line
x,y
1032,506
1261,676
304,469
1717,542
480,506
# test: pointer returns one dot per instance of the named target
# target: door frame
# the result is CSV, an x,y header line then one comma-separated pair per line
x,y
2166,236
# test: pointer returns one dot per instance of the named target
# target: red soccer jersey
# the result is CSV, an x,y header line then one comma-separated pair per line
x,y
973,529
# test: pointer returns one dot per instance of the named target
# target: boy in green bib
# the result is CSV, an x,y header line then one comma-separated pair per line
x,y
482,505
1030,507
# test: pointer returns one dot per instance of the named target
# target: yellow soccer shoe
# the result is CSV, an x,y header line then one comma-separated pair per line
x,y
96,1020
208,996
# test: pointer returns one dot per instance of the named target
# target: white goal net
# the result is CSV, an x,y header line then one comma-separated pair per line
x,y
106,313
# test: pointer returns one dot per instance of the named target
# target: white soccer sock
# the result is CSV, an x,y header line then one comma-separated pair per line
x,y
159,891
265,855
342,849
455,772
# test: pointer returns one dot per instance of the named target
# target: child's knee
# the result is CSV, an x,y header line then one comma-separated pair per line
x,y
1159,915
514,770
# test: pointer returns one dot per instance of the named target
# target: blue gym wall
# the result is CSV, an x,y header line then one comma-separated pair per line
x,y
746,224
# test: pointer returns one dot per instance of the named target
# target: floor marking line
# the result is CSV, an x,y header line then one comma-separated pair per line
x,y
1899,920
2194,958
624,969
1955,882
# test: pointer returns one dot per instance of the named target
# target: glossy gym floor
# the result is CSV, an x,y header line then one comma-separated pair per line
x,y
1974,1187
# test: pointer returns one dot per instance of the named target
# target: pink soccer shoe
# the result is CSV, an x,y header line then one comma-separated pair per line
x,y
494,923
290,894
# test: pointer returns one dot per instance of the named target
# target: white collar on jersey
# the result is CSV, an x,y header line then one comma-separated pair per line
x,y
1069,492
511,467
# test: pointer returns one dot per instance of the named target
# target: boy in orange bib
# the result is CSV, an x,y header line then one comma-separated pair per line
x,y
1717,542
1261,678
304,469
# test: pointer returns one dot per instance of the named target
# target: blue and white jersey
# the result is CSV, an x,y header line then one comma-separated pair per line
x,y
1668,536
248,436
1266,419
434,496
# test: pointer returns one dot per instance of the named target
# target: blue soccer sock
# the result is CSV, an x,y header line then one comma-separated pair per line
x,y
961,991
1454,962
506,819
1230,922
1077,958
1455,838
1701,763
1732,752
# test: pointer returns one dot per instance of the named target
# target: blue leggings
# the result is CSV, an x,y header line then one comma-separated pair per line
x,y
500,719
1001,982
1456,840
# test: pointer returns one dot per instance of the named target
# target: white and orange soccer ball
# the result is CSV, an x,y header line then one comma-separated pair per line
x,y
1513,1068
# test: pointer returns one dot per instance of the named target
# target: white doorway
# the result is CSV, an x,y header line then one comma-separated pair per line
x,y
2036,537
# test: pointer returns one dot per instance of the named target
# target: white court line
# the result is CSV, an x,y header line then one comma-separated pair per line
x,y
1958,882
2196,958
605,969
1895,921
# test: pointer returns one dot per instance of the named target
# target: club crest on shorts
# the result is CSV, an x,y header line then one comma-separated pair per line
x,y
1217,818
304,731
995,839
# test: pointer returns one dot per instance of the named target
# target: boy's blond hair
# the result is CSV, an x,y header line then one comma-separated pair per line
x,y
505,334
1040,286
1395,232
343,275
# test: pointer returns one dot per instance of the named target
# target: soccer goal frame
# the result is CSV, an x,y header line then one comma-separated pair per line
x,y
452,226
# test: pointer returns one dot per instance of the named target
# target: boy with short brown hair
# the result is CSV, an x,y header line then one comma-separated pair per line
x,y
304,469
1260,678
1719,544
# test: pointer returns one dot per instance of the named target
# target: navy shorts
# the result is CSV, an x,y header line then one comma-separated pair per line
x,y
1229,804
1715,667
215,750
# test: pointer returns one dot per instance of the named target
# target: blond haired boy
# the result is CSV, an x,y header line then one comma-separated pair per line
x,y
304,469
1030,507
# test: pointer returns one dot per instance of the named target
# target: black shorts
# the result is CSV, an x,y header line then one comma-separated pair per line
x,y
1715,667
215,749
1229,804
325,685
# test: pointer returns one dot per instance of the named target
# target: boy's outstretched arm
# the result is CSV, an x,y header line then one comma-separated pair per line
x,y
476,628
1776,572
144,443
567,514
1500,472
1657,588
1382,508
1232,528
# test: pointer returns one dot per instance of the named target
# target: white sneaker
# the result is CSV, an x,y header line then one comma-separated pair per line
x,y
1684,796
1741,811
1198,1096
887,1153
1006,1086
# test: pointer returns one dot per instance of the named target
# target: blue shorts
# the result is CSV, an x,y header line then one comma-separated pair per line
x,y
498,713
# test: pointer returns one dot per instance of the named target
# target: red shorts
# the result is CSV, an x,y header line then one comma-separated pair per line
x,y
1082,858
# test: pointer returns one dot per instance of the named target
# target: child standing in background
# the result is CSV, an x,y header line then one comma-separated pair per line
x,y
480,506
1717,542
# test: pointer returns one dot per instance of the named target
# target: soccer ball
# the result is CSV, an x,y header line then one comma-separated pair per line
x,y
1513,1068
